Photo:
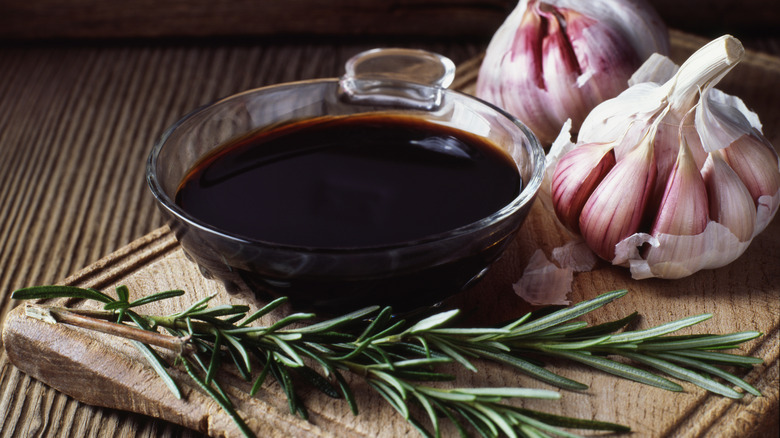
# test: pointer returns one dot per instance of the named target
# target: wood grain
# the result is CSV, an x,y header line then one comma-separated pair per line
x,y
742,296
77,124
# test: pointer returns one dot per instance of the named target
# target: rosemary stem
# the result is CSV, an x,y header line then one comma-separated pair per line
x,y
87,319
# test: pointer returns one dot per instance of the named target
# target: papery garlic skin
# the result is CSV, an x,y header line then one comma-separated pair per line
x,y
544,283
553,60
716,177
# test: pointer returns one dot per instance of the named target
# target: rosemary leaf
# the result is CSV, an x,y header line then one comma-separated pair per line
x,y
510,392
346,391
581,345
663,329
237,346
123,293
159,296
567,314
497,419
215,358
562,329
604,328
715,371
159,367
433,417
621,369
572,423
287,320
432,321
478,420
116,305
721,358
445,394
703,342
541,426
380,320
268,308
395,400
470,331
226,406
196,306
449,351
449,414
531,432
292,355
55,291
684,374
319,382
336,322
536,371
411,363
221,310
261,377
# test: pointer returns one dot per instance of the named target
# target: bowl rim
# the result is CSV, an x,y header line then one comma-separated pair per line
x,y
527,193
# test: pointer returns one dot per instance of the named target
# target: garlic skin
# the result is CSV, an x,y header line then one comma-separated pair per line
x,y
544,283
553,60
688,193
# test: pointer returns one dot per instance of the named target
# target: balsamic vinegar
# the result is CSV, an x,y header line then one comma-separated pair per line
x,y
349,182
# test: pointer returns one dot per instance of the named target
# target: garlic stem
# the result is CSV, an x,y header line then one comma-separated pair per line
x,y
704,68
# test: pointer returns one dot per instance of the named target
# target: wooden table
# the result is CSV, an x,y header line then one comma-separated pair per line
x,y
77,121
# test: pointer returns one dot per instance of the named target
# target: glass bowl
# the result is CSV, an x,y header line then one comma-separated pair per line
x,y
406,275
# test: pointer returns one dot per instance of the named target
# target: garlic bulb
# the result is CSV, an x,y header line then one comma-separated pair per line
x,y
670,178
552,60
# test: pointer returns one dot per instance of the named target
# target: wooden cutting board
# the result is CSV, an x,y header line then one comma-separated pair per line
x,y
104,371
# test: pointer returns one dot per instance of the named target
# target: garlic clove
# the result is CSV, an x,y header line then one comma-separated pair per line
x,y
684,208
756,163
571,49
731,204
640,24
576,176
616,207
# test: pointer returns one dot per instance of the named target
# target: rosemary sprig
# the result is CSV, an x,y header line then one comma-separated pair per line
x,y
396,356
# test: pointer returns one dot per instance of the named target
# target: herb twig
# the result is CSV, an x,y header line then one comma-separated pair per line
x,y
397,357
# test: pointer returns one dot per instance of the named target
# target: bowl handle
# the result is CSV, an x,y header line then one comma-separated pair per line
x,y
406,78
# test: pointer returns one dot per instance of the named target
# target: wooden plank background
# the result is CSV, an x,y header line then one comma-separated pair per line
x,y
197,18
78,117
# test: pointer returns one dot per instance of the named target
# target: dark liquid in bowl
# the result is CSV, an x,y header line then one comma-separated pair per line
x,y
337,185
350,182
